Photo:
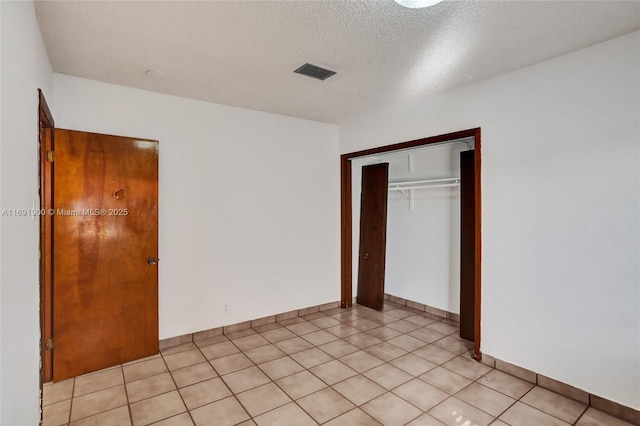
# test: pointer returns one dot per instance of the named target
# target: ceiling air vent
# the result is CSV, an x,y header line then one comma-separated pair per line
x,y
315,72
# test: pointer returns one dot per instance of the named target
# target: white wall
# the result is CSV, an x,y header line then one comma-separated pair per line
x,y
249,202
25,68
560,210
423,245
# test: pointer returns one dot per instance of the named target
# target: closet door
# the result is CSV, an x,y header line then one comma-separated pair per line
x,y
373,235
467,245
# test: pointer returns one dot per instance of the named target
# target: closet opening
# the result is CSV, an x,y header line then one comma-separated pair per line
x,y
433,238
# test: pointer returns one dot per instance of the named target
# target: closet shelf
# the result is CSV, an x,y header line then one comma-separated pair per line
x,y
407,187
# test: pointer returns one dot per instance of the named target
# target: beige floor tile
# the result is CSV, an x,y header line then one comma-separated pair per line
x,y
301,384
338,348
311,357
98,381
426,335
325,405
345,317
385,351
211,341
521,414
247,423
293,345
278,335
361,361
407,342
184,359
390,410
486,399
384,333
97,402
287,415
420,320
445,380
359,389
281,367
343,330
193,374
291,321
240,333
56,392
230,363
157,408
218,350
179,348
204,393
325,322
363,324
250,342
355,417
141,370
362,340
183,419
557,405
302,328
264,353
413,364
226,412
267,327
427,420
453,412
56,414
246,379
333,372
312,316
593,417
454,344
116,417
262,399
403,326
421,394
319,337
434,354
443,328
505,383
400,313
150,386
388,376
472,370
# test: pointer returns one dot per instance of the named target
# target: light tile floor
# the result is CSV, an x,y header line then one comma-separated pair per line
x,y
338,367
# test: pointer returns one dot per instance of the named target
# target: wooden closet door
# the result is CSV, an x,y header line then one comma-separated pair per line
x,y
467,245
105,244
373,235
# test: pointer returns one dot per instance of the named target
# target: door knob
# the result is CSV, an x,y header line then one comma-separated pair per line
x,y
152,261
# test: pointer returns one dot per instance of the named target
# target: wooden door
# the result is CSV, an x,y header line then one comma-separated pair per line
x,y
373,235
105,245
467,245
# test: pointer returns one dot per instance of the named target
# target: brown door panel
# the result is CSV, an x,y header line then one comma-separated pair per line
x,y
373,235
467,245
105,227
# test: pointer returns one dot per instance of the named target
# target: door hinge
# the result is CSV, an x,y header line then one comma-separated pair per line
x,y
49,344
50,156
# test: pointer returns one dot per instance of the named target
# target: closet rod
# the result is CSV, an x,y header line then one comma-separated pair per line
x,y
423,184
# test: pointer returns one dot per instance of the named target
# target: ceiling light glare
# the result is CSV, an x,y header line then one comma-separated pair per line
x,y
417,4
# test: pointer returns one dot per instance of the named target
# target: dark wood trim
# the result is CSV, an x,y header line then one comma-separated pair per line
x,y
45,143
346,214
477,354
346,298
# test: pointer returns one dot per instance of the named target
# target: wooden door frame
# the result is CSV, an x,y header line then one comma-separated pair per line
x,y
45,176
346,247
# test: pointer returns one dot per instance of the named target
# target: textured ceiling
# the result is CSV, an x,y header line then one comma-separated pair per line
x,y
243,53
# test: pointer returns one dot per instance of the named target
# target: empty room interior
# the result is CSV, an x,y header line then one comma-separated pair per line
x,y
367,212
